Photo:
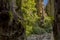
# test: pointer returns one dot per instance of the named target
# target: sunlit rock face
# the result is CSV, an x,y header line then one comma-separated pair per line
x,y
41,8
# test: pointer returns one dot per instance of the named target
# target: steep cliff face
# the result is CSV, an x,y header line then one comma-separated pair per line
x,y
56,27
50,8
13,31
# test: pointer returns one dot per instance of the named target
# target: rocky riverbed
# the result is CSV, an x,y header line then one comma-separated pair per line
x,y
47,36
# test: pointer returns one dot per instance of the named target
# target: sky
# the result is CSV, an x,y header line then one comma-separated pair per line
x,y
45,2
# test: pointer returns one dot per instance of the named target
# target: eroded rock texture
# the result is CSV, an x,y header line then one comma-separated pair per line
x,y
15,31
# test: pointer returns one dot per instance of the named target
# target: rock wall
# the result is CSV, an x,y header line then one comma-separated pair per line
x,y
56,27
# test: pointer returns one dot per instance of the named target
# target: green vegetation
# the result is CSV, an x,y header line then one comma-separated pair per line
x,y
20,17
29,14
30,20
